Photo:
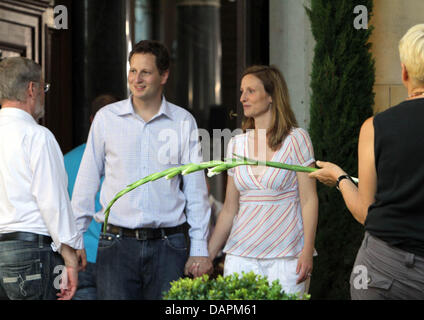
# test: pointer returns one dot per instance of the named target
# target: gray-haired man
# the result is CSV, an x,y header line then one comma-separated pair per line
x,y
36,219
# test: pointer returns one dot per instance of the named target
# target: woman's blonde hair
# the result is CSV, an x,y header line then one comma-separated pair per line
x,y
411,49
283,118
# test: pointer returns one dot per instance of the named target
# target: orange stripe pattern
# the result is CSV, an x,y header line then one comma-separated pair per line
x,y
269,222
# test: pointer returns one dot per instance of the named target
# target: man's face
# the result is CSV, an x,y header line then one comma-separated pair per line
x,y
144,79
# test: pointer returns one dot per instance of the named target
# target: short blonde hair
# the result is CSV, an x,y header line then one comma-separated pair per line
x,y
411,49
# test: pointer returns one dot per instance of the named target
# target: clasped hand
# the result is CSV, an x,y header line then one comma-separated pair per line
x,y
198,266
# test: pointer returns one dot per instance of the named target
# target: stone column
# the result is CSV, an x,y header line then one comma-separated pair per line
x,y
291,49
99,50
198,62
198,67
143,22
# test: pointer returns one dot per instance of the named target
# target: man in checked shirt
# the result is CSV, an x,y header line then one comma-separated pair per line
x,y
145,246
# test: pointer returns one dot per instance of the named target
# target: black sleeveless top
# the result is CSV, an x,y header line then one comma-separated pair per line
x,y
397,216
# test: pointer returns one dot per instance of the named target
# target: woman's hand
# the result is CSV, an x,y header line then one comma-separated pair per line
x,y
328,174
304,266
198,266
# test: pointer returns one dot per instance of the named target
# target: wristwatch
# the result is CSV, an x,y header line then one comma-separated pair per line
x,y
345,176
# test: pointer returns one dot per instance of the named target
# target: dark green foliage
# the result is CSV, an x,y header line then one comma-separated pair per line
x,y
342,82
247,287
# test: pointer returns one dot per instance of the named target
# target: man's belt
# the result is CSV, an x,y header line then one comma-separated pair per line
x,y
143,233
25,236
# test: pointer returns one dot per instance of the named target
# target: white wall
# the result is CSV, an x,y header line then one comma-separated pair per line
x,y
392,19
292,49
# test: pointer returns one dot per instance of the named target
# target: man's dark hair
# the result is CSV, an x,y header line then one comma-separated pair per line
x,y
157,49
102,101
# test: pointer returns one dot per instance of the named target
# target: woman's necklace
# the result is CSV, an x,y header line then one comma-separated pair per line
x,y
416,94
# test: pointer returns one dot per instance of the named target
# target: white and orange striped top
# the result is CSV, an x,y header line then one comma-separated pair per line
x,y
269,222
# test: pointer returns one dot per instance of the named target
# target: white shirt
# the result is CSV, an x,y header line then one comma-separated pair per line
x,y
33,181
124,148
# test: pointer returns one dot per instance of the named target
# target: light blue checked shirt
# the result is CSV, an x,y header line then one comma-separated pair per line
x,y
124,148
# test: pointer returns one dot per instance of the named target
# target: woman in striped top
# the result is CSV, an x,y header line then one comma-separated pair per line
x,y
269,217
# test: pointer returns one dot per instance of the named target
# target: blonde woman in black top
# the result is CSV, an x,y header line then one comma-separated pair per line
x,y
389,200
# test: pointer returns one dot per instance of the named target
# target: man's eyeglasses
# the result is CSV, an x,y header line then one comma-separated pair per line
x,y
46,86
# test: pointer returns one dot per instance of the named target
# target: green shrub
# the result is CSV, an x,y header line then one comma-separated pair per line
x,y
247,287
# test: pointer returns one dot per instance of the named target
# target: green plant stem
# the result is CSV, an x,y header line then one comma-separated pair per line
x,y
217,167
169,173
278,165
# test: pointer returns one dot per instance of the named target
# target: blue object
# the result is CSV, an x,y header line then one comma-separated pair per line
x,y
91,236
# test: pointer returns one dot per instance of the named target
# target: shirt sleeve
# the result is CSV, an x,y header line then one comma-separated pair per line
x,y
89,175
198,210
49,188
302,149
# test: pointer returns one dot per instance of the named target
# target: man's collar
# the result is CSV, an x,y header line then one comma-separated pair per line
x,y
128,108
18,113
165,109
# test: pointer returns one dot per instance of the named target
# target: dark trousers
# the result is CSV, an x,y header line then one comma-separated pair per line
x,y
29,271
131,269
87,283
382,272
